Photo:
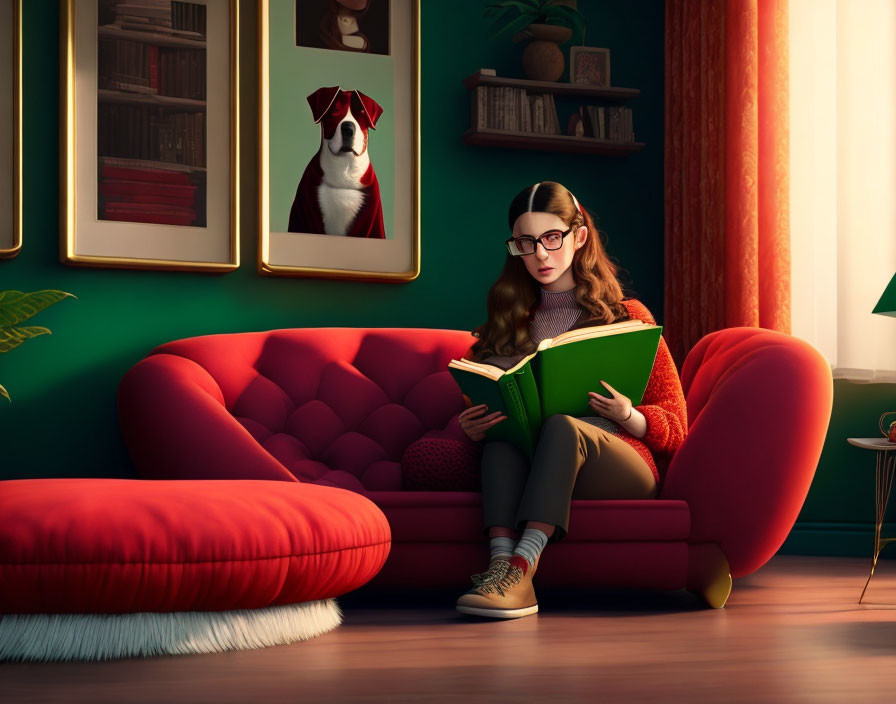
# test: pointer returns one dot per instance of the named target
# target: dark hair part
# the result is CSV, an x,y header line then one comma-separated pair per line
x,y
515,294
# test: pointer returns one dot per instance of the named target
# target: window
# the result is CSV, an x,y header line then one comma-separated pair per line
x,y
843,181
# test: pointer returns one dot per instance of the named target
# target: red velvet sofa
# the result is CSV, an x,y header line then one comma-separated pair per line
x,y
343,406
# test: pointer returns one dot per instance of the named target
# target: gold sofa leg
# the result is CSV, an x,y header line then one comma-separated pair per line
x,y
709,575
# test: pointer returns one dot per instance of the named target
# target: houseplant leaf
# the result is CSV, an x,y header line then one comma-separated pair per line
x,y
515,26
564,16
12,337
16,306
502,12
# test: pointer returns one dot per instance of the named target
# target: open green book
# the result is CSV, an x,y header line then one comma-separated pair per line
x,y
557,377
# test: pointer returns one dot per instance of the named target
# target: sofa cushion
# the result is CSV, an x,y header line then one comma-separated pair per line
x,y
456,517
439,463
119,545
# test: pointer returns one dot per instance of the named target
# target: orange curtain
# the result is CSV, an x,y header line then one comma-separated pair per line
x,y
727,233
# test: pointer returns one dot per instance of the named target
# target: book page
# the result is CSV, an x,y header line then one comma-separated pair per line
x,y
591,332
487,370
522,362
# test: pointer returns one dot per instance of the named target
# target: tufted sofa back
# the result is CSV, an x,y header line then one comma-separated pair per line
x,y
334,406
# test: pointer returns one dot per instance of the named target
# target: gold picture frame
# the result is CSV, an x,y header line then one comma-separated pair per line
x,y
11,131
206,150
387,71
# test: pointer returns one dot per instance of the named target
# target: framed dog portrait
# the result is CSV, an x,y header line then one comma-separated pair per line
x,y
149,122
11,129
589,64
339,174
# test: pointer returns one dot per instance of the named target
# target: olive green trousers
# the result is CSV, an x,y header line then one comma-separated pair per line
x,y
573,460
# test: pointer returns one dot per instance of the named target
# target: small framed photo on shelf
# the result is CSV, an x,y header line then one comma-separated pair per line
x,y
149,121
339,148
590,65
11,129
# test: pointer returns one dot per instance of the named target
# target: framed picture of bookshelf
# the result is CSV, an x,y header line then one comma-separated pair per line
x,y
11,128
149,122
339,139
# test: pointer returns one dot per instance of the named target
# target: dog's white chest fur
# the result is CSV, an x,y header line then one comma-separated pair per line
x,y
339,194
339,207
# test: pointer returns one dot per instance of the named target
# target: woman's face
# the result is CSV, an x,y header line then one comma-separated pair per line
x,y
550,268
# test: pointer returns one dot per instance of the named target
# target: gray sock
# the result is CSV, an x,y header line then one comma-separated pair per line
x,y
531,544
501,546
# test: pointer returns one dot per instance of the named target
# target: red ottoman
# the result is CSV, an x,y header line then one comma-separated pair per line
x,y
103,568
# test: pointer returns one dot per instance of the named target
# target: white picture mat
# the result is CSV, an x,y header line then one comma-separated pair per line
x,y
360,253
7,124
107,238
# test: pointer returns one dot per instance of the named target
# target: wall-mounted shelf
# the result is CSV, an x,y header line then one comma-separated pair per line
x,y
581,90
548,142
487,136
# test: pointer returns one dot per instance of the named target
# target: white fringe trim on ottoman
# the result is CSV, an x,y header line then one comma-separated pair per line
x,y
108,636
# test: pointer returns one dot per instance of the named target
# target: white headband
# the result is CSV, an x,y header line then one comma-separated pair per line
x,y
532,198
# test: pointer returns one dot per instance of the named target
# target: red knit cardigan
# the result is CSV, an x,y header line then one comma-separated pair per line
x,y
663,405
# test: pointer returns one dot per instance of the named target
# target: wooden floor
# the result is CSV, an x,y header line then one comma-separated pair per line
x,y
791,632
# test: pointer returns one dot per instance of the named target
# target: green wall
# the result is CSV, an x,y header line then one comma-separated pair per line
x,y
62,421
838,515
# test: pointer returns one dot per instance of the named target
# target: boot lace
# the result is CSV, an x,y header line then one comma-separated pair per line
x,y
495,571
503,584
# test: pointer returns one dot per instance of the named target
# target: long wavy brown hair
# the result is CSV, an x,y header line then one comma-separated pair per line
x,y
514,296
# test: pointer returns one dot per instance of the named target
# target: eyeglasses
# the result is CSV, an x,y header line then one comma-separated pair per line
x,y
550,240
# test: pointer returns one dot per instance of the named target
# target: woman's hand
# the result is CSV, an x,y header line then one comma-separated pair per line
x,y
618,407
474,424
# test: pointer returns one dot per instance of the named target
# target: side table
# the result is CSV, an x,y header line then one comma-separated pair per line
x,y
885,466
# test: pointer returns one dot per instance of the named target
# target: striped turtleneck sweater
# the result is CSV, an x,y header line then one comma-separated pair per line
x,y
556,314
663,403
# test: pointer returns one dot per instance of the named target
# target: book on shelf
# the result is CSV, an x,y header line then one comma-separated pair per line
x,y
551,115
526,111
612,123
125,163
157,214
151,133
124,189
507,105
151,194
557,377
140,67
619,124
513,109
481,107
141,173
187,19
538,113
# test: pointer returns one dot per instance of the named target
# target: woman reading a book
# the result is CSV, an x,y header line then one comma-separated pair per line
x,y
557,277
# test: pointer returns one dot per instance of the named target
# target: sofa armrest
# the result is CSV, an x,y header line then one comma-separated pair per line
x,y
759,403
174,422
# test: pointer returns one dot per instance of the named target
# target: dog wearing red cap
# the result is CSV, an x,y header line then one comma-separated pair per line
x,y
339,193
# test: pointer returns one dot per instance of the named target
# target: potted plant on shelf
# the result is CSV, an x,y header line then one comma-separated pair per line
x,y
548,23
15,308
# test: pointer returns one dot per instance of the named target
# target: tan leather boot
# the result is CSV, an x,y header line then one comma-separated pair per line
x,y
497,568
510,595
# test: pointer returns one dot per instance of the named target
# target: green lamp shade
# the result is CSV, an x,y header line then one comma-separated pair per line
x,y
887,303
